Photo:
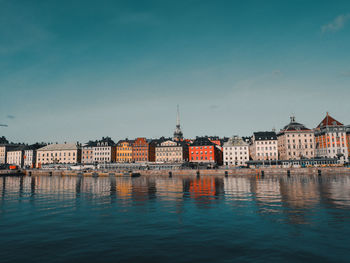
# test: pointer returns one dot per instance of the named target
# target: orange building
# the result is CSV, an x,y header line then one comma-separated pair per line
x,y
143,150
124,151
330,138
202,150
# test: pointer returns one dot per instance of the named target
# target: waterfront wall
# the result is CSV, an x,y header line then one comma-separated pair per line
x,y
185,173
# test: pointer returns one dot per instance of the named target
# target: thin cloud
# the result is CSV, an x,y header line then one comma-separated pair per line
x,y
345,73
10,117
337,24
276,72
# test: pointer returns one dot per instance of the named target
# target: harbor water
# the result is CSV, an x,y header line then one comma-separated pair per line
x,y
162,219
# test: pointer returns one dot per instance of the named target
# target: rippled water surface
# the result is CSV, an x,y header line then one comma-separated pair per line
x,y
235,219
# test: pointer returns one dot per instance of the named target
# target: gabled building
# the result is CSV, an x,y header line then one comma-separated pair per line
x,y
235,152
124,151
264,146
295,142
171,151
143,150
202,150
104,151
330,137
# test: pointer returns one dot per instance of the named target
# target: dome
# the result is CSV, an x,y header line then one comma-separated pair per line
x,y
295,126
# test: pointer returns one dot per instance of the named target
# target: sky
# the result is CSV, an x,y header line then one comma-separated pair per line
x,y
79,70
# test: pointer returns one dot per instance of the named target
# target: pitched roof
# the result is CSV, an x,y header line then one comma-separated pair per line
x,y
202,141
265,136
59,147
329,121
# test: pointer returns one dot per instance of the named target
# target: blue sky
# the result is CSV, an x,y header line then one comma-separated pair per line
x,y
79,70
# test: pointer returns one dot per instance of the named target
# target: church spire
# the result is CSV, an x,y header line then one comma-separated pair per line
x,y
178,133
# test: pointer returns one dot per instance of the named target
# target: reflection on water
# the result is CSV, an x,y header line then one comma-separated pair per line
x,y
272,216
285,195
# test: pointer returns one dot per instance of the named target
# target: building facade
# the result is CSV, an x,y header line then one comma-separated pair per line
x,y
124,151
143,150
264,146
104,151
87,153
170,151
15,156
348,140
235,152
4,148
202,150
295,142
330,138
67,153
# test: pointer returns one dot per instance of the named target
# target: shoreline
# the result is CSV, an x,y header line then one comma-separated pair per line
x,y
185,172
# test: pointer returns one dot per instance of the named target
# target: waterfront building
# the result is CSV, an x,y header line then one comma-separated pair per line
x,y
178,135
202,150
348,140
15,156
330,138
295,141
66,153
264,146
87,152
143,150
171,151
235,152
124,151
104,151
4,148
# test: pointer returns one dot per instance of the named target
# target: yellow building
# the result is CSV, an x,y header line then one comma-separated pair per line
x,y
124,151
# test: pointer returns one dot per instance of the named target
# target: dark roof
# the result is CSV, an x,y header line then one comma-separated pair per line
x,y
329,121
264,136
202,141
294,126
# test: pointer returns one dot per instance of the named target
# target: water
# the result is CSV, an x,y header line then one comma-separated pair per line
x,y
69,219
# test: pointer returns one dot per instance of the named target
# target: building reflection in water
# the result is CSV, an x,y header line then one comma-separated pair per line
x,y
267,194
237,188
295,197
299,196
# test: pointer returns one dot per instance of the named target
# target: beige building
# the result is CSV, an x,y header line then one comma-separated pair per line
x,y
263,146
67,153
170,151
236,152
295,142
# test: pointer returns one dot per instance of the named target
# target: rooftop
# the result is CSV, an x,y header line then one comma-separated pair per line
x,y
59,147
329,121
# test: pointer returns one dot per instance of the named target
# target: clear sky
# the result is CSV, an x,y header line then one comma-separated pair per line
x,y
80,70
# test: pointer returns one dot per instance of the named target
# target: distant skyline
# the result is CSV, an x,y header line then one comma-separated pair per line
x,y
79,70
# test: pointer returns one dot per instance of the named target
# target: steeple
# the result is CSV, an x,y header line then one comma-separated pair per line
x,y
178,133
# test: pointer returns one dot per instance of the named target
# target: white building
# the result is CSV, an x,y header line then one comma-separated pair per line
x,y
264,146
104,151
235,152
15,156
330,136
66,153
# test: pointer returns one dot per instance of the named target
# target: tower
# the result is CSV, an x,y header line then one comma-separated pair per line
x,y
178,135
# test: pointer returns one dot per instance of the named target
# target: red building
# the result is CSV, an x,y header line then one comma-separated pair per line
x,y
143,150
202,150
